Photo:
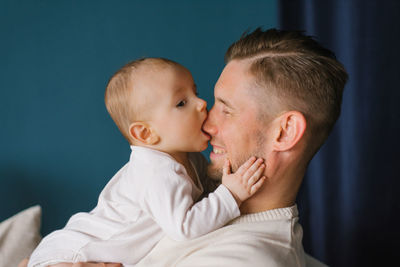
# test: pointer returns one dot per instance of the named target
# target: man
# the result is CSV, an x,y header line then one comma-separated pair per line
x,y
277,98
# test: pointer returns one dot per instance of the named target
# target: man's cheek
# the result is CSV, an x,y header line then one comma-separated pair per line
x,y
218,163
238,161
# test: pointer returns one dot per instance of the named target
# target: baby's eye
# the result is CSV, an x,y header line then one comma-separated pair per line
x,y
181,103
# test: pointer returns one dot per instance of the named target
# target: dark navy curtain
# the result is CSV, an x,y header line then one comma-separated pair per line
x,y
349,202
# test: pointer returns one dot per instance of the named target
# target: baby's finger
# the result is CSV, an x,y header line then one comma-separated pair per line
x,y
252,169
245,166
256,175
227,167
257,185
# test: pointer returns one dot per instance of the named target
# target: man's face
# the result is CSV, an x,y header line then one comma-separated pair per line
x,y
232,122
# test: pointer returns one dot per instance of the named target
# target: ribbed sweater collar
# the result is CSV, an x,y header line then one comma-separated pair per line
x,y
275,214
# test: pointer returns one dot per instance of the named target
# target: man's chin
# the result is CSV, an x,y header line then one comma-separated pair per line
x,y
214,172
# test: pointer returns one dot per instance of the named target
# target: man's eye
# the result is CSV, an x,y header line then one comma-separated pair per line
x,y
181,103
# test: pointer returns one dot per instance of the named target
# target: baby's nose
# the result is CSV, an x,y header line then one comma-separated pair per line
x,y
202,105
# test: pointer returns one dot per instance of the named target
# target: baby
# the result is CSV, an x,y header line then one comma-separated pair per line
x,y
159,191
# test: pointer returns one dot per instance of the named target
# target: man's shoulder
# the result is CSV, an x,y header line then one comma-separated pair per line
x,y
235,245
255,237
232,245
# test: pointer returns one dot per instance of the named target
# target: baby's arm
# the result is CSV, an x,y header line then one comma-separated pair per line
x,y
169,202
246,180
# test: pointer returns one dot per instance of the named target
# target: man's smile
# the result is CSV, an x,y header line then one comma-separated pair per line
x,y
217,151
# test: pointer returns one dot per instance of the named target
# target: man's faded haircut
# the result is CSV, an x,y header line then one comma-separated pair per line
x,y
119,97
295,71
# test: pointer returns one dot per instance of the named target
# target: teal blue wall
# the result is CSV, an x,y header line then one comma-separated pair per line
x,y
58,146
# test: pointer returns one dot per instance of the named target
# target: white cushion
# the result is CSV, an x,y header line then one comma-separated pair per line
x,y
19,236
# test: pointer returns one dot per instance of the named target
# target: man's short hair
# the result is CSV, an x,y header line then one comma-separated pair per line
x,y
295,71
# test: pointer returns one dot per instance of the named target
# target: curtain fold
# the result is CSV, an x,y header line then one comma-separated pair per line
x,y
349,201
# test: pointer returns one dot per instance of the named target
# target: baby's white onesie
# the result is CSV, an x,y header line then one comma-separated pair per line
x,y
151,196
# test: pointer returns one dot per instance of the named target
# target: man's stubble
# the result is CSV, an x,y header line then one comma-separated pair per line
x,y
215,172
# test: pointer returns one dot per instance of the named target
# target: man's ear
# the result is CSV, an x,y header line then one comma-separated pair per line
x,y
290,129
142,132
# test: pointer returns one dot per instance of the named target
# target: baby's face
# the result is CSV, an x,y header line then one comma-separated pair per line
x,y
177,113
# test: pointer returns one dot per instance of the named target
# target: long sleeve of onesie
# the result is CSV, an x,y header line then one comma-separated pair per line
x,y
169,196
171,205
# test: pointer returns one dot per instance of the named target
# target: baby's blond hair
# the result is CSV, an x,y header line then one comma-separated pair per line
x,y
120,92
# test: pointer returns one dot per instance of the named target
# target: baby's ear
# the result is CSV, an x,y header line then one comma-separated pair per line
x,y
143,133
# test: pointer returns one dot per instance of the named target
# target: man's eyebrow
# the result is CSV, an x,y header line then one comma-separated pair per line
x,y
226,103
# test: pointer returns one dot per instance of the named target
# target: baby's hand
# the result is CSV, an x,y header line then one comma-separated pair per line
x,y
246,180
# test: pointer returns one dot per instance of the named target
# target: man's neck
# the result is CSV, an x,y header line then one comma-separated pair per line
x,y
258,203
278,191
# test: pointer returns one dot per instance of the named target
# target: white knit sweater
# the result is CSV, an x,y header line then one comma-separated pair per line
x,y
267,239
